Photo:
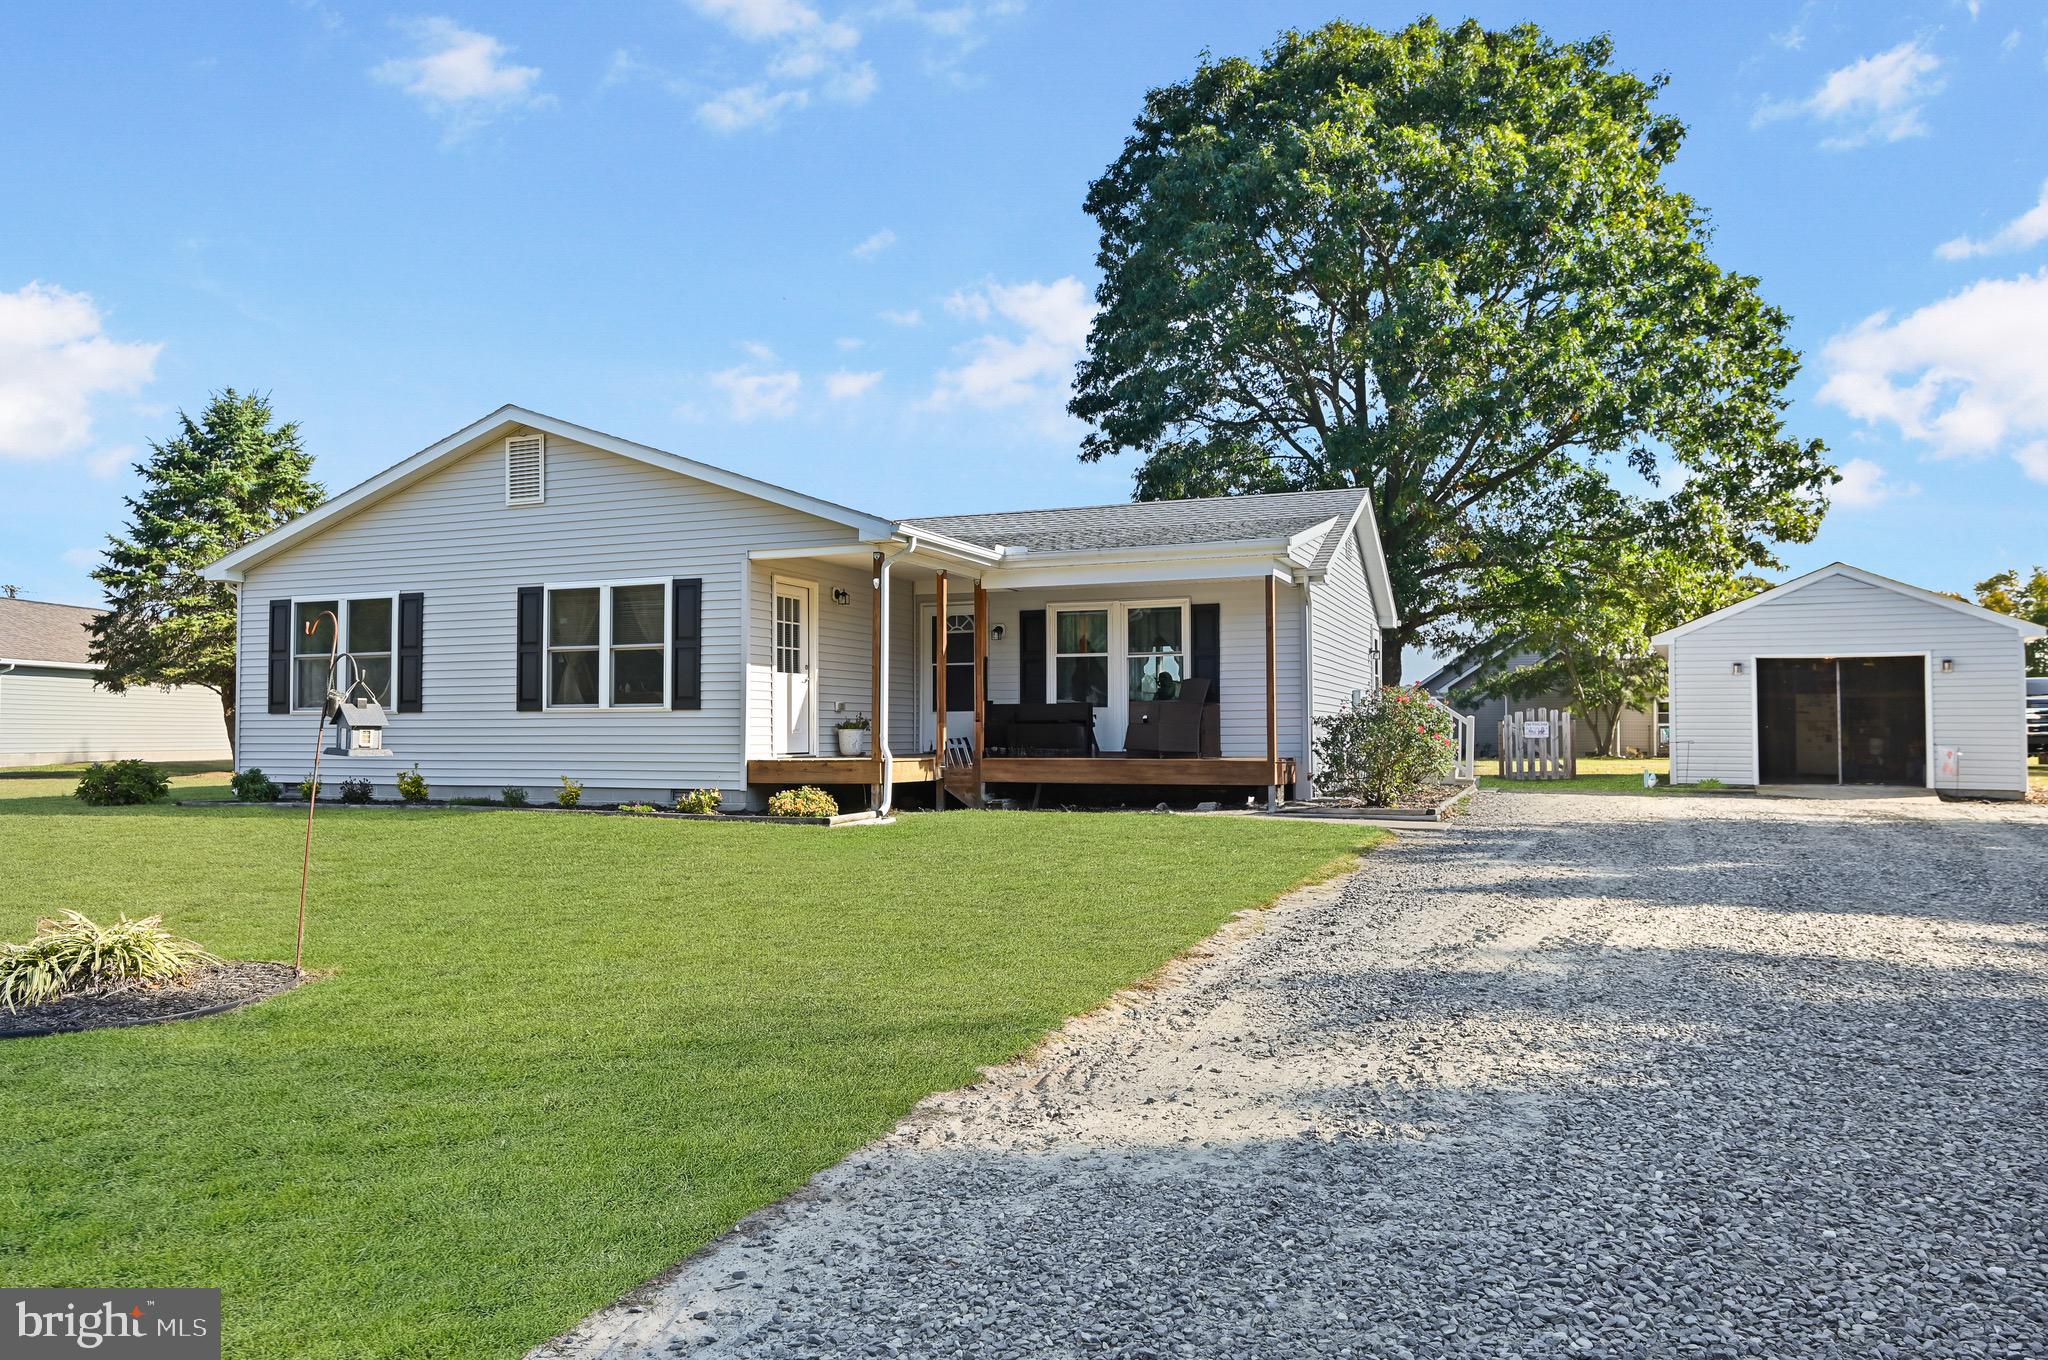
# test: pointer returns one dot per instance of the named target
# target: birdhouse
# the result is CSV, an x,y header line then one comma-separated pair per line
x,y
359,728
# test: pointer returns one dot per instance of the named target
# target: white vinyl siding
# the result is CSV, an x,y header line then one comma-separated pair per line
x,y
1976,708
606,518
1344,640
50,716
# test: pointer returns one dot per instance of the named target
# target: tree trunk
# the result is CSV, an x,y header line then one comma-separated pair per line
x,y
1392,641
227,713
1604,720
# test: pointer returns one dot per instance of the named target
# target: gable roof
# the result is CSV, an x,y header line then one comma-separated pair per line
x,y
500,422
54,634
1869,578
1147,524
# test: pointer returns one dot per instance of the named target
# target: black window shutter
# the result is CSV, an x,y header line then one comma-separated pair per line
x,y
1205,649
411,649
686,685
1031,656
531,599
280,656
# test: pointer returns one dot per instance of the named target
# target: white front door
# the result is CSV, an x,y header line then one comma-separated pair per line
x,y
795,718
959,685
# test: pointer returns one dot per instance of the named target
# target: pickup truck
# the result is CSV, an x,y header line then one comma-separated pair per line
x,y
2037,716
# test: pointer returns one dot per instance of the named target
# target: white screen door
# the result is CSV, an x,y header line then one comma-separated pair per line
x,y
795,721
959,673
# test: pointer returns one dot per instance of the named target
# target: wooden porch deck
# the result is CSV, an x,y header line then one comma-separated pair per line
x,y
923,768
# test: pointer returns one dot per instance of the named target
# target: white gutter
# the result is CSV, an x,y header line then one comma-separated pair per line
x,y
880,726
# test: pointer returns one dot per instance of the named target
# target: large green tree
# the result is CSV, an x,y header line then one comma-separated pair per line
x,y
222,480
1587,609
2026,599
1442,264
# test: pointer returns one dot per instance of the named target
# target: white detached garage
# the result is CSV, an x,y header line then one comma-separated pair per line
x,y
1847,677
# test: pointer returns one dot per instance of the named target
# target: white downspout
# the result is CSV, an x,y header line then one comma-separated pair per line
x,y
881,722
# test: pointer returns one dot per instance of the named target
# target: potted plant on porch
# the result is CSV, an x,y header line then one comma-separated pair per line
x,y
853,735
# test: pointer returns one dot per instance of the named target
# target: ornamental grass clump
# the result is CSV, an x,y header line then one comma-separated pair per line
x,y
74,954
1385,746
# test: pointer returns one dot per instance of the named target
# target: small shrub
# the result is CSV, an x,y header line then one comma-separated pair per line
x,y
254,786
638,807
74,955
857,723
1708,784
1385,746
808,801
514,795
700,801
306,789
119,783
571,792
356,790
412,785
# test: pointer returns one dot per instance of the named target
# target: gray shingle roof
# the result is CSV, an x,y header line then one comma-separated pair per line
x,y
1149,524
31,630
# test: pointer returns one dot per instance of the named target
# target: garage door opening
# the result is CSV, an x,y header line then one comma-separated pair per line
x,y
1842,720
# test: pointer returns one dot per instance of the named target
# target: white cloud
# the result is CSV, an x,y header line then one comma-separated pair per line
x,y
1877,99
759,349
809,57
2033,460
461,76
55,363
850,342
756,394
846,385
108,464
874,245
85,559
1032,365
1865,484
2029,228
909,316
1966,376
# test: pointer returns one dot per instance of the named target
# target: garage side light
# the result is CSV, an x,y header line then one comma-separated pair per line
x,y
1948,663
1735,668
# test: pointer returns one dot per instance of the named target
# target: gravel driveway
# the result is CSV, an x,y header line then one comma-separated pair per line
x,y
1581,1075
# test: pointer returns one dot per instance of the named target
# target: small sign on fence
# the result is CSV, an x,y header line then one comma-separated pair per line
x,y
1537,745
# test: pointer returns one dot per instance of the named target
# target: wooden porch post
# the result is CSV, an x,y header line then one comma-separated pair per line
x,y
980,682
875,715
939,677
1272,693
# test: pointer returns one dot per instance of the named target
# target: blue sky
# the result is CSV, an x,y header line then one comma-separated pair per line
x,y
841,246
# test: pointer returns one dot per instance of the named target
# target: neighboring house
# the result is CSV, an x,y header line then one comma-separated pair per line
x,y
51,712
1636,729
533,599
1843,676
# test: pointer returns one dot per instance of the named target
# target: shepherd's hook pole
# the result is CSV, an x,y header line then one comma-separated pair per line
x,y
313,789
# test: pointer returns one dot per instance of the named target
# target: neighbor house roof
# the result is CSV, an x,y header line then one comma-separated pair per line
x,y
1147,524
32,631
1870,578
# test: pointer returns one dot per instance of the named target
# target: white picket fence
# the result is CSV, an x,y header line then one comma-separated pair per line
x,y
1537,744
1467,729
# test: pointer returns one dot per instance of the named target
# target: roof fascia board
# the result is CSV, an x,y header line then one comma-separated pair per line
x,y
48,665
1135,573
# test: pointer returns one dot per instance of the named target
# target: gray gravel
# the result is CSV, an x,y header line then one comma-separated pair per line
x,y
1579,1076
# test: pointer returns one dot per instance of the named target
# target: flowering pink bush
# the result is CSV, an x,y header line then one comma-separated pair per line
x,y
1385,746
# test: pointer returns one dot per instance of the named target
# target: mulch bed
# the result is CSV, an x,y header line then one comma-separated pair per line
x,y
209,991
1424,798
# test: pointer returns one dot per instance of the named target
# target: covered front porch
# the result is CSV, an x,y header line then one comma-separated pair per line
x,y
1170,672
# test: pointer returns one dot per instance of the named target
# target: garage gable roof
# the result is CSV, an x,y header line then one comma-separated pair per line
x,y
1869,578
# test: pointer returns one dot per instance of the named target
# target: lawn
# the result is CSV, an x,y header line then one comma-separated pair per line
x,y
1597,774
554,1054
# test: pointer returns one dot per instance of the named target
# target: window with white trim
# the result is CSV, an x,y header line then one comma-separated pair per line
x,y
369,635
608,645
1080,666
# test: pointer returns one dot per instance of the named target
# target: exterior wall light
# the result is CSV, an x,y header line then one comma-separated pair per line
x,y
1948,663
1735,668
995,632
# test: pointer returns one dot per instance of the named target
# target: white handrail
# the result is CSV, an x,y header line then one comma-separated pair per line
x,y
1467,730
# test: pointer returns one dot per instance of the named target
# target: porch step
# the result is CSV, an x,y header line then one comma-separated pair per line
x,y
964,783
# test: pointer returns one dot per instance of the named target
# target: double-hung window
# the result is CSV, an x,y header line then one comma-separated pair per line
x,y
1080,664
369,634
608,645
1155,649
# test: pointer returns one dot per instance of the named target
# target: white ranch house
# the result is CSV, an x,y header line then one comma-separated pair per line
x,y
530,598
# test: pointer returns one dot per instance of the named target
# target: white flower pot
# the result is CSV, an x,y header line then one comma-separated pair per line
x,y
852,741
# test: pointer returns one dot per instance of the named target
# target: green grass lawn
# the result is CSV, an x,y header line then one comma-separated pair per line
x,y
1597,774
555,1054
2037,774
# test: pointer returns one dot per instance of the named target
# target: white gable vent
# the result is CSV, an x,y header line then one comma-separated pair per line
x,y
526,469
